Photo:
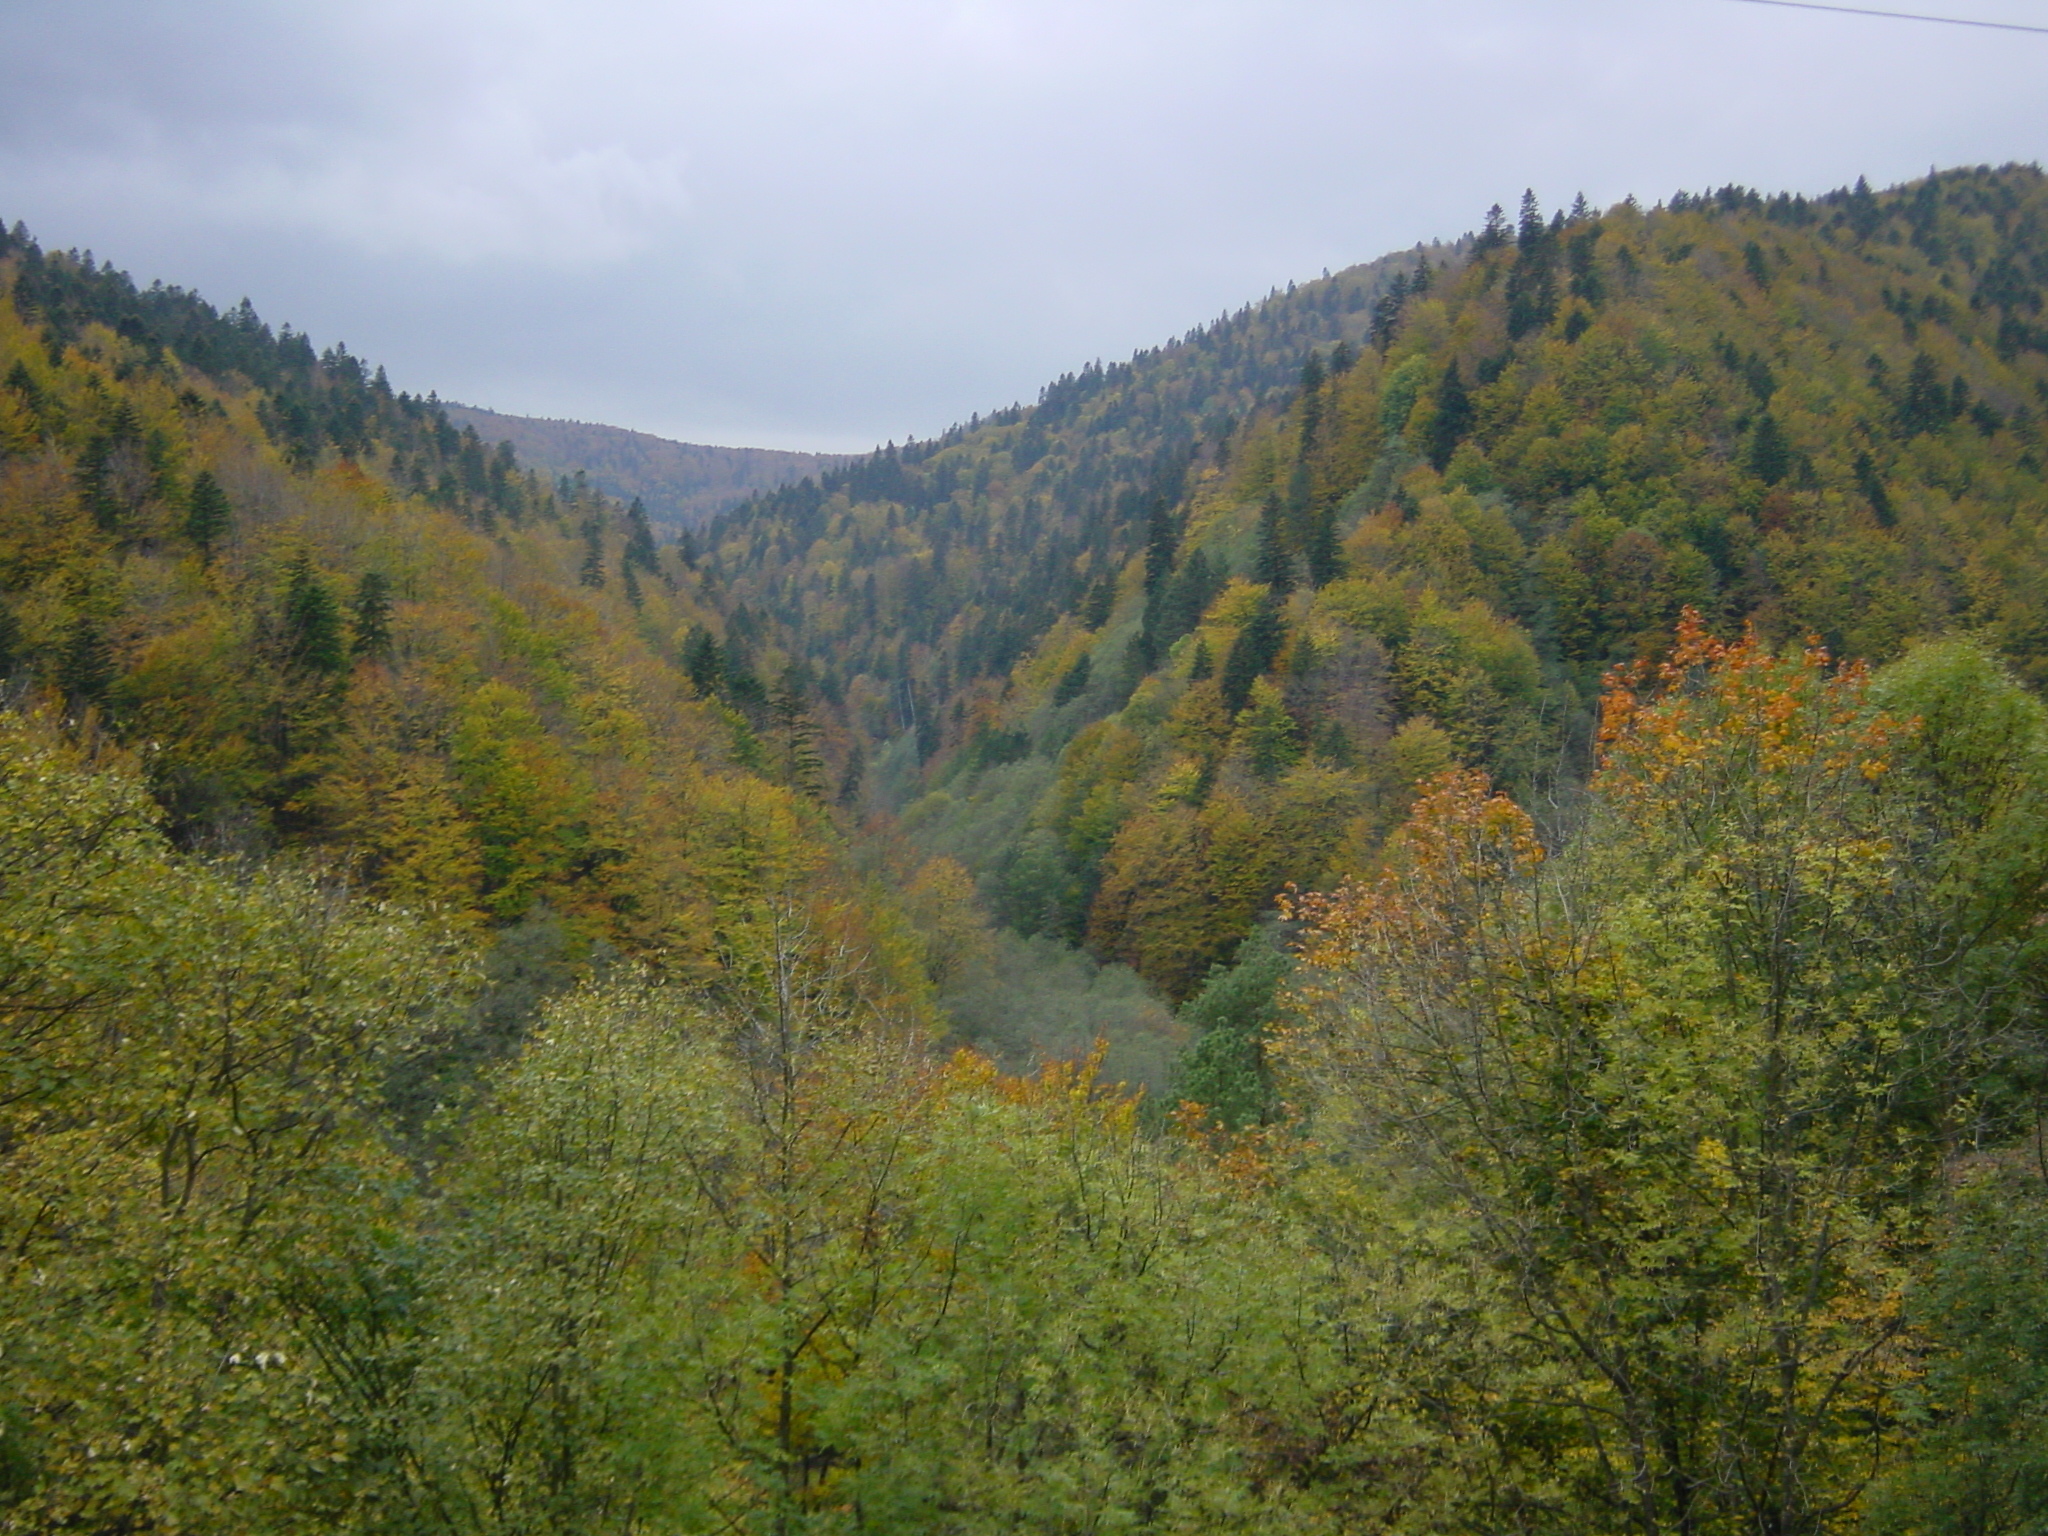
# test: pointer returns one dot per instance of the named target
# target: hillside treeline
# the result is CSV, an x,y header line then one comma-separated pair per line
x,y
1508,471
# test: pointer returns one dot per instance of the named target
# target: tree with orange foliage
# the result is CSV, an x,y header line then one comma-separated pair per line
x,y
1687,1076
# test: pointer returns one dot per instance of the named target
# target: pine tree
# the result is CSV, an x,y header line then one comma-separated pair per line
x,y
85,663
1386,312
591,574
702,662
1268,733
640,550
1324,558
1863,213
1162,543
796,735
1495,233
1532,284
1312,377
1872,486
312,621
1072,684
208,515
1252,653
850,780
1271,563
1770,457
1753,261
1453,418
371,616
1923,404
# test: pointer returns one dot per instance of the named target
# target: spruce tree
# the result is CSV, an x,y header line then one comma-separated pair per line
x,y
1072,684
702,662
312,621
1324,558
1871,485
1312,377
1770,457
1453,418
796,734
1271,563
1252,653
85,663
1923,404
1495,233
370,614
856,771
1386,312
640,550
208,516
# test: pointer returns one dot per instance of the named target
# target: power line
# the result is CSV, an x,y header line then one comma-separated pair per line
x,y
1857,10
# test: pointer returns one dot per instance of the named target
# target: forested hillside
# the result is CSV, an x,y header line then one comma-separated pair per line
x,y
682,485
327,622
1557,714
1145,653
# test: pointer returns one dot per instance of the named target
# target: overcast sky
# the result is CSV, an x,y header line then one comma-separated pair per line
x,y
823,223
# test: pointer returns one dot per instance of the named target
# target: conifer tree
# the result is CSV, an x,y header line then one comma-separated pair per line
x,y
208,516
640,550
312,621
85,663
796,735
1268,733
1923,404
1871,485
1453,418
1324,558
850,779
1252,653
591,573
371,616
1072,684
1494,234
1271,563
1312,377
1770,457
702,662
1386,312
1753,261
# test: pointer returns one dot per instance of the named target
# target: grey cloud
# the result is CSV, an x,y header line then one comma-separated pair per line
x,y
813,224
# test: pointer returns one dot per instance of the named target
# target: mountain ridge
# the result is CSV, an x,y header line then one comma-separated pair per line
x,y
682,485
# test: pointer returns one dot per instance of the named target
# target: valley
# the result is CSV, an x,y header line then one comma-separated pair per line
x,y
1418,910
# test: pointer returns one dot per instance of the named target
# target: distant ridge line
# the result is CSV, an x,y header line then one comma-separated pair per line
x,y
681,484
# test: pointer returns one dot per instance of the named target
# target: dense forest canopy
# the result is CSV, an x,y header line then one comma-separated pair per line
x,y
1216,611
1531,748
